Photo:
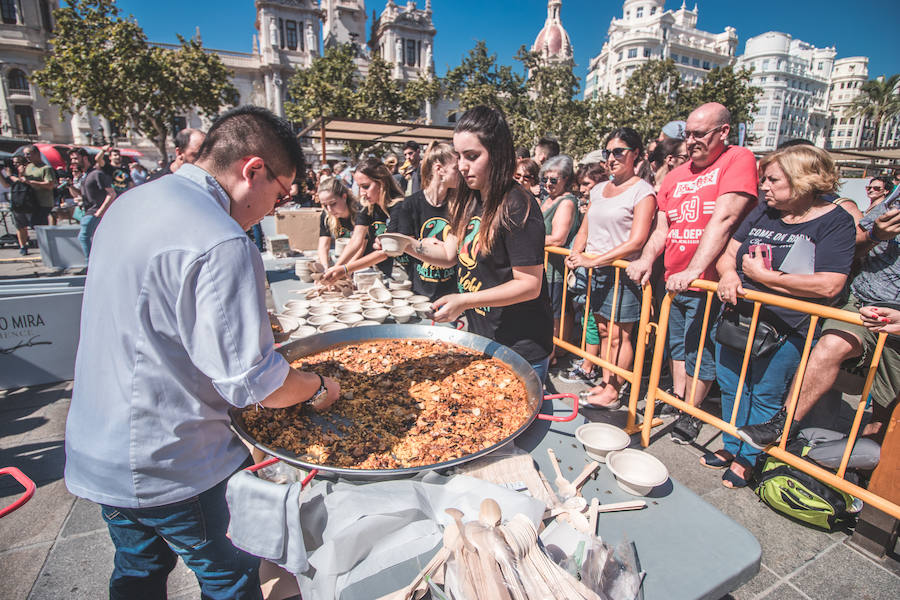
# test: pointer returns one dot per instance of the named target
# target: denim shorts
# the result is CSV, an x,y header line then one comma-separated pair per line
x,y
628,298
685,325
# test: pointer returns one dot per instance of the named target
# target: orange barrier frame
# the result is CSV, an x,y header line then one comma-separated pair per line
x,y
641,337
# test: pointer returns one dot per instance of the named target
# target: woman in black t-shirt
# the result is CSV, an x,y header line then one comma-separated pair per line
x,y
422,215
796,244
379,193
497,241
340,209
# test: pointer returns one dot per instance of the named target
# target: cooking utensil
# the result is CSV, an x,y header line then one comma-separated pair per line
x,y
316,343
592,515
586,472
627,505
563,485
468,571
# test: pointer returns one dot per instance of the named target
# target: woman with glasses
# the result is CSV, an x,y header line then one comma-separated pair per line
x,y
561,222
527,175
616,226
877,190
379,193
496,240
338,216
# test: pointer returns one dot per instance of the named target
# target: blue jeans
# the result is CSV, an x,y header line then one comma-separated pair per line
x,y
685,323
766,384
148,539
540,369
88,227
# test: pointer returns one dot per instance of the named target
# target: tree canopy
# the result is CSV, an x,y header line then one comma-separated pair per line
x,y
102,62
878,100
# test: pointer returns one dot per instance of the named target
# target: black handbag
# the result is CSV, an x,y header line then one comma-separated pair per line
x,y
733,329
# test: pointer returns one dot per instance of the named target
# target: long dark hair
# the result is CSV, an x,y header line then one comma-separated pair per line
x,y
489,126
376,170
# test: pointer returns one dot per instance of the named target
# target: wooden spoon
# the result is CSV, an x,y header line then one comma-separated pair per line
x,y
490,514
563,485
588,470
467,568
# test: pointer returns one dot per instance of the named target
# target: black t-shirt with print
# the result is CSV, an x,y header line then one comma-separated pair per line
x,y
527,327
376,223
345,227
121,177
419,219
824,244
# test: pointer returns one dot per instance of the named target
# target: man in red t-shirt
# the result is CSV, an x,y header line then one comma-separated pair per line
x,y
700,205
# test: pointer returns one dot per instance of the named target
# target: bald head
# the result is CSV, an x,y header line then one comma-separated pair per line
x,y
707,132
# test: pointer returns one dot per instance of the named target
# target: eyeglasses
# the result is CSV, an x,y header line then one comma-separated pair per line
x,y
551,180
284,198
874,189
616,153
521,176
699,135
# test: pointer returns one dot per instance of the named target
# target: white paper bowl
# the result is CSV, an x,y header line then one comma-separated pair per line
x,y
370,304
397,302
379,294
401,286
636,472
298,312
402,314
332,327
319,320
325,308
376,314
418,299
599,439
296,303
349,307
394,244
350,318
423,310
404,294
288,323
303,331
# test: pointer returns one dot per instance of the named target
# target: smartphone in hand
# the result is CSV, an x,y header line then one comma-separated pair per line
x,y
764,251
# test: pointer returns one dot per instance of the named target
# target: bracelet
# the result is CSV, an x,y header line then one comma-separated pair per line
x,y
871,235
346,271
321,387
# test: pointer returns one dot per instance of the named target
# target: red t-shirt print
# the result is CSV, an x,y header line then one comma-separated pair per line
x,y
688,197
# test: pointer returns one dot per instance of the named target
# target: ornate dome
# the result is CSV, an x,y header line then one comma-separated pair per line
x,y
553,41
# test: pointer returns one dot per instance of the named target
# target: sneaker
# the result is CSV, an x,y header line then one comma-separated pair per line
x,y
578,375
667,409
23,251
686,429
765,434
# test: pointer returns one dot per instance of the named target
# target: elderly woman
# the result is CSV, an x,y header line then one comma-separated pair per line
x,y
617,226
795,244
561,222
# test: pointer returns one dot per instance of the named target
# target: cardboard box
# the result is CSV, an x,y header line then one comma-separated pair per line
x,y
301,226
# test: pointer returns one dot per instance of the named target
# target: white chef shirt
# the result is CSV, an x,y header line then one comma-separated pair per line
x,y
174,330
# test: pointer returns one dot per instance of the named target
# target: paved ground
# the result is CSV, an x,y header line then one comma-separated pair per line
x,y
56,546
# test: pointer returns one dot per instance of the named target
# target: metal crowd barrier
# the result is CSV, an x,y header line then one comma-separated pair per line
x,y
641,337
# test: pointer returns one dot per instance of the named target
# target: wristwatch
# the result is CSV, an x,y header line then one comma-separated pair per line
x,y
322,392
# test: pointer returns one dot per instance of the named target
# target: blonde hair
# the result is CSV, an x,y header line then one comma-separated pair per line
x,y
440,153
391,193
334,185
810,171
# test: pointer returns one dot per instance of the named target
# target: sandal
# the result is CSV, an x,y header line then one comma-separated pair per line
x,y
583,401
714,460
732,480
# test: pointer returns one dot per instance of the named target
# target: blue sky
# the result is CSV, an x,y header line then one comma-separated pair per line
x,y
866,28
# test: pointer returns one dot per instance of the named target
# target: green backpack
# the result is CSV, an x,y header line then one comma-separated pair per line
x,y
802,497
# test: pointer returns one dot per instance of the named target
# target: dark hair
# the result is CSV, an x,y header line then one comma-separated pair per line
x,y
886,181
183,137
794,142
79,151
629,136
550,145
522,152
531,167
596,172
411,145
490,127
376,170
252,131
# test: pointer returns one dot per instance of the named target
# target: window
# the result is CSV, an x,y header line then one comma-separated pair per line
x,y
621,55
773,126
17,81
653,10
290,34
647,53
695,62
281,33
770,141
685,60
674,57
411,57
632,53
765,65
46,21
774,110
8,12
762,79
706,64
639,13
24,117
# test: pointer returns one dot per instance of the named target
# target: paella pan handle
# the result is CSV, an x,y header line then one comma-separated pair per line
x,y
272,461
27,483
567,418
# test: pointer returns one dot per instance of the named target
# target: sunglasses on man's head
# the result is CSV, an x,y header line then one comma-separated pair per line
x,y
616,153
550,180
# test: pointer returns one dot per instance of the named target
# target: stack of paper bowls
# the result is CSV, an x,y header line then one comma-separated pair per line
x,y
302,269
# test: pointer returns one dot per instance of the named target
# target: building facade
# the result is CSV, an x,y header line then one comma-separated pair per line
x,y
647,31
794,77
845,129
289,35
